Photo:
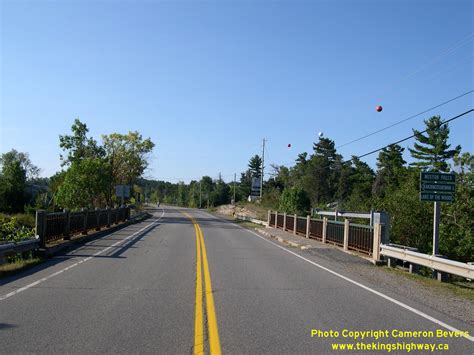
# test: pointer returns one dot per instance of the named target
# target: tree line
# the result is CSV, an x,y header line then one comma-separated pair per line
x,y
321,178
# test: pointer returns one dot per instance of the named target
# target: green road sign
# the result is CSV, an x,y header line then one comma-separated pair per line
x,y
440,178
430,196
437,187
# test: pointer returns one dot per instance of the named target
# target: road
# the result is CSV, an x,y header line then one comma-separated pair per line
x,y
186,281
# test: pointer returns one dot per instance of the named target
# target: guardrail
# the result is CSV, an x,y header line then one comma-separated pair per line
x,y
253,220
350,236
10,249
52,227
434,262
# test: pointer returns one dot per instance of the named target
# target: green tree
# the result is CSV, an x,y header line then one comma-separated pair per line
x,y
432,151
294,200
361,180
390,166
457,223
127,157
12,183
255,166
78,146
84,184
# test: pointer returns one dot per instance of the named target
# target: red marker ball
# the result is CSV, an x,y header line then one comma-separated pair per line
x,y
378,108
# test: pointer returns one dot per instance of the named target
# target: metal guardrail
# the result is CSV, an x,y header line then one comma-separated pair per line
x,y
433,262
10,249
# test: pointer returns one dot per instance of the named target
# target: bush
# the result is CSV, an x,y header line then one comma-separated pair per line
x,y
12,231
294,200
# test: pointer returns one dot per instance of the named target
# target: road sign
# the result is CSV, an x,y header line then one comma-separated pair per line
x,y
436,197
438,177
437,187
256,185
122,191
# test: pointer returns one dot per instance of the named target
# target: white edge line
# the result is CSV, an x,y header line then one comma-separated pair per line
x,y
24,288
380,294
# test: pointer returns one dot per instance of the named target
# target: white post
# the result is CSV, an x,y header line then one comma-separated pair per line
x,y
325,227
377,239
269,217
284,221
308,225
346,234
276,219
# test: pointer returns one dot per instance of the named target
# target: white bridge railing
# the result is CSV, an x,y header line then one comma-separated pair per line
x,y
433,262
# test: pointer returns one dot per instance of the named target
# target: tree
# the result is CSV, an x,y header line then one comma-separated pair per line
x,y
30,169
221,193
294,200
78,146
84,184
255,166
390,166
432,151
127,157
12,183
457,225
361,181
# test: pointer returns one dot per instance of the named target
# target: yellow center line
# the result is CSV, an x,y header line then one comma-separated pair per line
x,y
202,263
214,342
198,328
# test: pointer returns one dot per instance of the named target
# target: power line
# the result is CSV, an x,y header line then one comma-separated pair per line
x,y
413,135
406,119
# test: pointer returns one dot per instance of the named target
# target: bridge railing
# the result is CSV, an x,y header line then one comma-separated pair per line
x,y
350,236
52,227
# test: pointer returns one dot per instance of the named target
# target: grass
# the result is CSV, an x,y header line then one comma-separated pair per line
x,y
462,289
10,269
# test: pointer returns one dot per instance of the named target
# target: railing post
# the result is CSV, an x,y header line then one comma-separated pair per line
x,y
109,216
67,224
97,223
269,217
308,225
284,221
276,219
325,228
84,227
295,222
346,234
40,226
377,239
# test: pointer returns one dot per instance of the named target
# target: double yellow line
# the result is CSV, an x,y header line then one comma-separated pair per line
x,y
202,264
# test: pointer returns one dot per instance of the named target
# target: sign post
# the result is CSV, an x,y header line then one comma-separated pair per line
x,y
437,187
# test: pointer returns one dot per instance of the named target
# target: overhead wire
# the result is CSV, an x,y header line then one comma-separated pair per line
x,y
414,135
406,119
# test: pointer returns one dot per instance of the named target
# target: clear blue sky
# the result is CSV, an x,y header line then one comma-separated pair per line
x,y
208,80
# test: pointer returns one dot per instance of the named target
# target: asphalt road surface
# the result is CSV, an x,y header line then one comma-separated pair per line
x,y
185,281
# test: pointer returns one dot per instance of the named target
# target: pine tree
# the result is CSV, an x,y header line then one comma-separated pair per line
x,y
432,151
390,166
255,166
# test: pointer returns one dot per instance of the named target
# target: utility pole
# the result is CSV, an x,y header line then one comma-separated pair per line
x,y
235,177
263,166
